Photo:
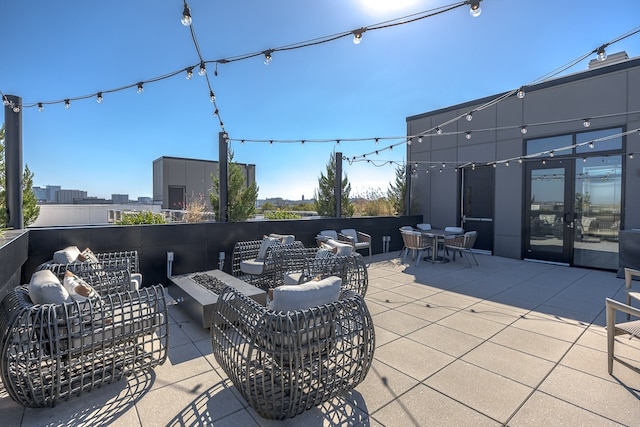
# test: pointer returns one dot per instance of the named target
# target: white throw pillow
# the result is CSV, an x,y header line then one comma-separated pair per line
x,y
78,289
339,248
267,242
45,288
306,295
66,255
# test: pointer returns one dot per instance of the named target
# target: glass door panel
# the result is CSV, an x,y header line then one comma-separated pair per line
x,y
598,192
549,221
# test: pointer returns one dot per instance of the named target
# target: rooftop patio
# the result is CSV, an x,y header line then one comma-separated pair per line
x,y
508,342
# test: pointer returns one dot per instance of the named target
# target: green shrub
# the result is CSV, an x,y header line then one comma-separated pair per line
x,y
141,217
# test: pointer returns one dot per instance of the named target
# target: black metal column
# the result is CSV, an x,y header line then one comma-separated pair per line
x,y
223,178
13,161
338,185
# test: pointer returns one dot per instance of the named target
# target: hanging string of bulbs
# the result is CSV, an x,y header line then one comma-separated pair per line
x,y
187,20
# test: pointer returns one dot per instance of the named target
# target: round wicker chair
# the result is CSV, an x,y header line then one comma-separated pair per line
x,y
284,363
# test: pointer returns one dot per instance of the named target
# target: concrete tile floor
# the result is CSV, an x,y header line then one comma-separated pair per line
x,y
506,343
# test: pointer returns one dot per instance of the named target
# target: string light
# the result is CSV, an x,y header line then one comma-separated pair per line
x,y
67,103
470,116
523,130
357,35
140,88
420,140
602,54
586,123
267,56
189,73
591,144
212,96
520,94
631,155
99,97
551,153
215,72
467,135
203,69
186,16
39,106
16,108
409,140
520,160
438,130
474,8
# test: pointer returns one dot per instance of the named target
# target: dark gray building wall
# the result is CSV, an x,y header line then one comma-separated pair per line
x,y
605,91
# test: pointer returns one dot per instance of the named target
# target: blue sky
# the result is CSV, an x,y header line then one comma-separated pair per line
x,y
337,90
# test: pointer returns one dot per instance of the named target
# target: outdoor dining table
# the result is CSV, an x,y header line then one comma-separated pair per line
x,y
437,235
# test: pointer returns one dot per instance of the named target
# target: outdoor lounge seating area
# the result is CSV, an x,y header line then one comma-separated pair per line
x,y
531,336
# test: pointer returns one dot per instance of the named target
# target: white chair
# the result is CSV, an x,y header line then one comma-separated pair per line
x,y
630,327
629,273
325,235
463,246
358,239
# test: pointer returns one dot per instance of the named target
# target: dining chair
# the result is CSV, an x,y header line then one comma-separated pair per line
x,y
415,242
630,327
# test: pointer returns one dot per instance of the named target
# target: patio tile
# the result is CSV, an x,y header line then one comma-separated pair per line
x,y
496,312
590,392
450,300
558,328
449,341
182,362
425,310
594,362
205,398
544,410
471,324
383,283
374,307
383,336
383,385
516,365
415,290
398,322
493,395
543,346
10,410
423,406
412,358
389,299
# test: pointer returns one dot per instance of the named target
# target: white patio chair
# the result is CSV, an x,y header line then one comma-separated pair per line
x,y
630,327
462,245
358,239
629,273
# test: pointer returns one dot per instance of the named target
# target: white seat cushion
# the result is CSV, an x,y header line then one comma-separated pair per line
x,y
291,278
332,234
306,295
252,266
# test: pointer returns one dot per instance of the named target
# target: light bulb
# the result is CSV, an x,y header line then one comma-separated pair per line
x,y
469,116
506,163
584,160
215,113
631,155
212,96
140,88
586,123
520,160
267,57
523,130
475,10
495,165
357,36
5,101
591,144
467,135
99,98
39,106
409,141
438,130
551,153
186,16
520,94
420,140
444,165
189,73
602,54
67,103
16,108
203,69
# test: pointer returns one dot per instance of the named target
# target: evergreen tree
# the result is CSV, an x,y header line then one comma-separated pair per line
x,y
397,191
240,197
325,203
30,208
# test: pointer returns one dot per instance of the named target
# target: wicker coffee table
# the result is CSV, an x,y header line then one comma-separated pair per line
x,y
198,292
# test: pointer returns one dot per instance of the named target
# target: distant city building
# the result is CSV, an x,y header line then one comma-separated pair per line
x,y
177,180
47,194
120,198
68,197
145,200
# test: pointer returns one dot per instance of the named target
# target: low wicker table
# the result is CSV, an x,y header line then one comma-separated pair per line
x,y
199,291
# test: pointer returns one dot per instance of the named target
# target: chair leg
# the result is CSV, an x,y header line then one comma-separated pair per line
x,y
418,255
611,320
474,258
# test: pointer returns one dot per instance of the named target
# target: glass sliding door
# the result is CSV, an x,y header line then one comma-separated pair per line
x,y
598,199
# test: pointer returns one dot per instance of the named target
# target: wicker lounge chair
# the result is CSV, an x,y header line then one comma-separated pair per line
x,y
284,363
49,352
259,269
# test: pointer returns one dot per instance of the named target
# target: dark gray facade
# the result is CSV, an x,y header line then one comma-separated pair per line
x,y
177,180
609,96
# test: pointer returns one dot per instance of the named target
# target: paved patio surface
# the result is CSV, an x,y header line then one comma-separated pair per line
x,y
506,343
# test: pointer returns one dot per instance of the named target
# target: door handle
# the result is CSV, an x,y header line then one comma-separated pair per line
x,y
568,218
